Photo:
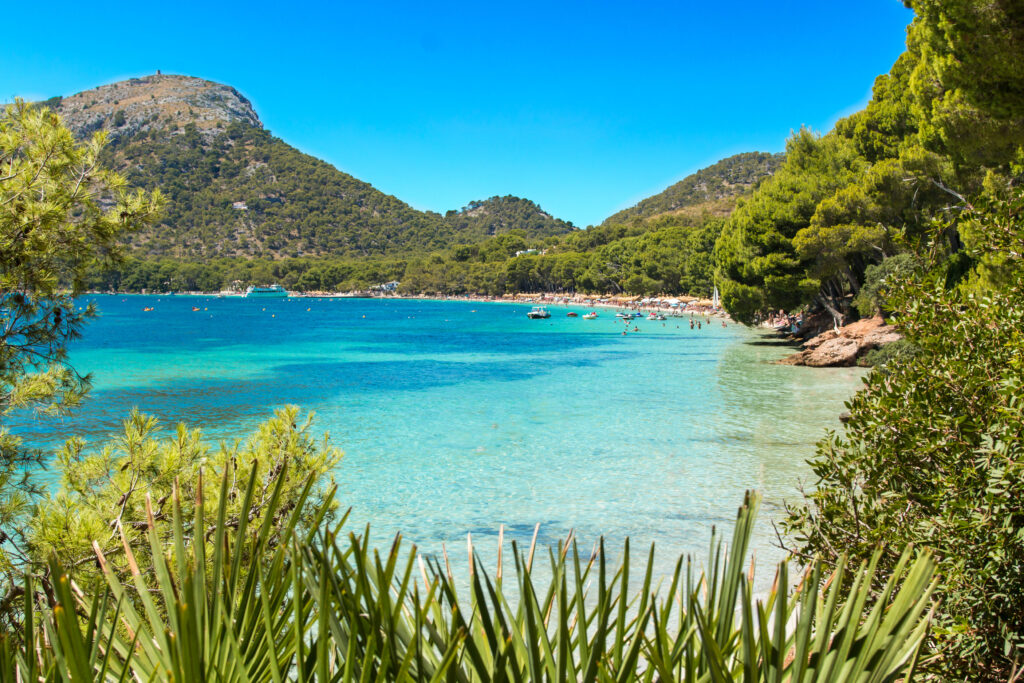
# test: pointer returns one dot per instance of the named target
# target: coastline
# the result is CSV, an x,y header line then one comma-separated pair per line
x,y
666,305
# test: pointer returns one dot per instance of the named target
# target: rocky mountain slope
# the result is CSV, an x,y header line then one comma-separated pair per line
x,y
236,190
139,105
713,189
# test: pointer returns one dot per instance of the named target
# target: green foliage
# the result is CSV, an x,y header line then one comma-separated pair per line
x,y
668,256
727,178
320,607
878,278
932,455
102,497
60,216
759,266
891,354
966,84
945,123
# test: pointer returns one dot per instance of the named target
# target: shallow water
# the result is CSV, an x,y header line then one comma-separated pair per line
x,y
458,417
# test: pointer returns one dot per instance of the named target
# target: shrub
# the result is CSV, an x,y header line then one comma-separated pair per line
x,y
879,277
933,454
319,607
894,352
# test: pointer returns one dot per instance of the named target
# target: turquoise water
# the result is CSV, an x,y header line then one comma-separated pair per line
x,y
457,417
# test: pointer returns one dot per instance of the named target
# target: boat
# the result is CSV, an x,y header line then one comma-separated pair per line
x,y
538,312
571,314
269,292
590,316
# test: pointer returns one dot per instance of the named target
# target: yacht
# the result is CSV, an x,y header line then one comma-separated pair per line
x,y
271,292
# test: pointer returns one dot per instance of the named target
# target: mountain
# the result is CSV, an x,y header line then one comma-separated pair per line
x,y
486,218
236,190
713,189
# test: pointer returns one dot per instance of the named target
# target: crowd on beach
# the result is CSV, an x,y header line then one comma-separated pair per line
x,y
666,305
783,322
675,305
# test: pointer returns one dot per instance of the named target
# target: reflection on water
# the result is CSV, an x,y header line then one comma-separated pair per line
x,y
459,417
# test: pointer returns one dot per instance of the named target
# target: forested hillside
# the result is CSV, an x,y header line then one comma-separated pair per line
x,y
712,189
486,218
245,206
235,190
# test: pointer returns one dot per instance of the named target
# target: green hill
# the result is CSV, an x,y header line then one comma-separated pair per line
x,y
497,215
235,190
713,189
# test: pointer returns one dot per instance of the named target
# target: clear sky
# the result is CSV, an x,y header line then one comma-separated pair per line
x,y
584,107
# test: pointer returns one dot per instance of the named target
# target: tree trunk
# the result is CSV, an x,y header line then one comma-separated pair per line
x,y
837,315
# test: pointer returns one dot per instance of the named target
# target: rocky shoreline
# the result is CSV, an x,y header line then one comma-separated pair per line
x,y
844,347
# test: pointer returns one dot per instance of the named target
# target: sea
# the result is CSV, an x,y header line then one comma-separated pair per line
x,y
461,418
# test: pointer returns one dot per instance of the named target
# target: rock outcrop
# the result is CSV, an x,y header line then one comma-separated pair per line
x,y
843,348
154,102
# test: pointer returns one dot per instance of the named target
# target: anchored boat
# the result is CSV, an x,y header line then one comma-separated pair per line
x,y
538,312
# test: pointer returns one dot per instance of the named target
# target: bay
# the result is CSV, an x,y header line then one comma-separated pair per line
x,y
458,417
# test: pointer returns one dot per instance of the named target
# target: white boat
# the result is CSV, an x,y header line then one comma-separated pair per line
x,y
538,312
590,316
271,292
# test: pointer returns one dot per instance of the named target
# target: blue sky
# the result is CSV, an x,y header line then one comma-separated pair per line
x,y
583,107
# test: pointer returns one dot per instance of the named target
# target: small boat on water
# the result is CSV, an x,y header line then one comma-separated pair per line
x,y
571,314
538,313
590,316
270,292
